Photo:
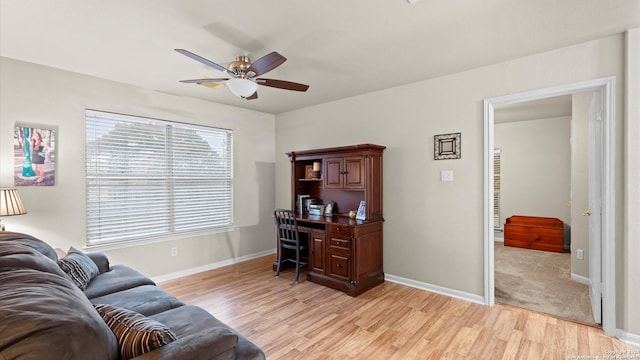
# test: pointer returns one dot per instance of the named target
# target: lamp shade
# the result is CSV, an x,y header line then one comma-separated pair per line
x,y
242,87
11,203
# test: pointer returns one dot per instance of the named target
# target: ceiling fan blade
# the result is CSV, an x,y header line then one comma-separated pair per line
x,y
281,84
266,63
201,60
200,81
253,97
211,85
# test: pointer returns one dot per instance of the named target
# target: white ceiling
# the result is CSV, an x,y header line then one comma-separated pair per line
x,y
341,48
557,106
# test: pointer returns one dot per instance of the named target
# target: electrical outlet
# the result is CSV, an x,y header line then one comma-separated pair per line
x,y
174,251
580,254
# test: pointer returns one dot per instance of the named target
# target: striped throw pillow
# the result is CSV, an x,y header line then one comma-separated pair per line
x,y
136,333
80,268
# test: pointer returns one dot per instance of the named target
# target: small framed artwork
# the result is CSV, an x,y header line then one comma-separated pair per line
x,y
34,149
447,146
308,172
361,215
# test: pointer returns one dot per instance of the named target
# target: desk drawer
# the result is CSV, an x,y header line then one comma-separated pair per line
x,y
340,266
340,244
340,229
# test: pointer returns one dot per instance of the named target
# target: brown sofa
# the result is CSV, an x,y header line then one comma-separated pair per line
x,y
44,314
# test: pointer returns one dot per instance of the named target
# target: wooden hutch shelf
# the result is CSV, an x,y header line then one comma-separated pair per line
x,y
344,253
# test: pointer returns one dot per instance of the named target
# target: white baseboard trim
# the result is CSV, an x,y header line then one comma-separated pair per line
x,y
580,279
631,339
219,264
436,289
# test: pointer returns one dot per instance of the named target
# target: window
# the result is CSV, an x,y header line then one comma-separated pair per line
x,y
497,225
148,179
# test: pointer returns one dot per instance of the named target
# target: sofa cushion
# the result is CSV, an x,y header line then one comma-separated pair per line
x,y
146,300
118,278
101,260
20,256
28,240
187,320
45,316
136,333
206,344
80,268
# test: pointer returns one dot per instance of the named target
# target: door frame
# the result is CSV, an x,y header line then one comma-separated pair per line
x,y
607,87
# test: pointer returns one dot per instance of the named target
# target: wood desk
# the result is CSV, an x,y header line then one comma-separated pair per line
x,y
344,254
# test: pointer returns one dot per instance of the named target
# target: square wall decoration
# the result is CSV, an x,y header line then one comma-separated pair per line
x,y
447,146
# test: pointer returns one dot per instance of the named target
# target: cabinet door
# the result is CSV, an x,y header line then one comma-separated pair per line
x,y
316,251
333,173
354,172
344,173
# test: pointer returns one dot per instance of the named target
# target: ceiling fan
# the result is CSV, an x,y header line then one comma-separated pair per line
x,y
243,82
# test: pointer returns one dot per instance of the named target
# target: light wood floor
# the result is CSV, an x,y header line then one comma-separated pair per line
x,y
391,321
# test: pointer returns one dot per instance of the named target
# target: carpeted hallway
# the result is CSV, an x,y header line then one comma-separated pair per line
x,y
540,281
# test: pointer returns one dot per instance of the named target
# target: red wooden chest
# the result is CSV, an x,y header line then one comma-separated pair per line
x,y
532,232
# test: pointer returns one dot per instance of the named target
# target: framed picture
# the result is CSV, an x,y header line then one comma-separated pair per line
x,y
34,153
308,172
361,215
447,146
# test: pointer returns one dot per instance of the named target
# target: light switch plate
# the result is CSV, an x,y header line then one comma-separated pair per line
x,y
446,175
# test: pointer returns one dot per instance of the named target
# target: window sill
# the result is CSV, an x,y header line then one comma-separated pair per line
x,y
116,245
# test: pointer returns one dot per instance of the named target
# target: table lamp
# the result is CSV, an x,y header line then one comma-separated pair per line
x,y
10,204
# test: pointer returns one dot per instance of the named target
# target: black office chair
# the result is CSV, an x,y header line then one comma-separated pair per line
x,y
289,238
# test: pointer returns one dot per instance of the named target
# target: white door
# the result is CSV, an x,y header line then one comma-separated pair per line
x,y
594,212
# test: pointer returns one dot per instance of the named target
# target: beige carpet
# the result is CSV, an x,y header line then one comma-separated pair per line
x,y
540,281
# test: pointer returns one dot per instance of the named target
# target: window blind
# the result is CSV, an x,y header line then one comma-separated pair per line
x,y
149,178
497,225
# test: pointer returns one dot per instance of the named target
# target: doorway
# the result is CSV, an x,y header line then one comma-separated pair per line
x,y
542,173
604,147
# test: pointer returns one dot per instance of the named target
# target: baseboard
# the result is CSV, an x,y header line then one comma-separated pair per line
x,y
628,338
436,289
219,264
580,279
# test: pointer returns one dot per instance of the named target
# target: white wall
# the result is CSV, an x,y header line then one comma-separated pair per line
x,y
535,166
40,95
433,231
631,248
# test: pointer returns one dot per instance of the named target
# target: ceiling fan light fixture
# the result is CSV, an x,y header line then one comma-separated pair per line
x,y
242,87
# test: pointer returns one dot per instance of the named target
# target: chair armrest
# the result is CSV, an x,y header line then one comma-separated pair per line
x,y
215,343
101,261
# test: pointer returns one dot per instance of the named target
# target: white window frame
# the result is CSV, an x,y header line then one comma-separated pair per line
x,y
179,182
